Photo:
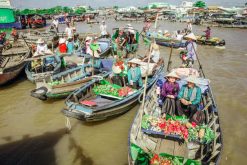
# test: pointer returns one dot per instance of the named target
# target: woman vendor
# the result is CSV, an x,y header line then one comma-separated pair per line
x,y
207,33
169,93
189,98
191,49
134,75
119,70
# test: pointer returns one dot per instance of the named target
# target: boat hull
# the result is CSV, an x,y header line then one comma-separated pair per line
x,y
6,77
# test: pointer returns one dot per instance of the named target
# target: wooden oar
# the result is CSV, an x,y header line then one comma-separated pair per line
x,y
169,61
200,66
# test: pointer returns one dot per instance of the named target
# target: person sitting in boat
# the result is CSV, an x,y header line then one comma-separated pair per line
x,y
55,24
166,33
95,48
155,54
119,72
70,45
189,98
42,48
77,42
103,29
160,34
179,36
134,75
121,40
147,25
191,49
62,45
169,94
14,34
69,31
207,33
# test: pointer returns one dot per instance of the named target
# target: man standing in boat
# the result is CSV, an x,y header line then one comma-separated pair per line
x,y
103,29
191,49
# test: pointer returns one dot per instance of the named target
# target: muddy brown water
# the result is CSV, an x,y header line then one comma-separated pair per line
x,y
33,132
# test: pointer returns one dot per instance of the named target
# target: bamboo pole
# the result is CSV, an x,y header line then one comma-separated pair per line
x,y
169,61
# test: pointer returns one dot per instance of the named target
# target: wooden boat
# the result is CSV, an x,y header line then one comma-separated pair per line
x,y
144,142
214,41
106,106
165,41
62,84
44,70
12,62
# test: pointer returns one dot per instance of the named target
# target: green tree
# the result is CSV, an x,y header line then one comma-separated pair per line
x,y
80,10
200,4
154,6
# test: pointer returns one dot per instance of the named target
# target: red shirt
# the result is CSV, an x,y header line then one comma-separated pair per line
x,y
63,48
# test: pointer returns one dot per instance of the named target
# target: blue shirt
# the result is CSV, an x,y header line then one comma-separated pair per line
x,y
198,94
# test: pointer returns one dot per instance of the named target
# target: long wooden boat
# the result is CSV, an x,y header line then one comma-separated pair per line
x,y
152,145
106,106
213,41
62,84
167,42
12,62
45,71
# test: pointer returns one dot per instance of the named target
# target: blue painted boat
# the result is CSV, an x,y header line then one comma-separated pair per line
x,y
106,107
145,139
45,69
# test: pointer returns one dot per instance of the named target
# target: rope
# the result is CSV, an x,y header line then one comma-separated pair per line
x,y
67,123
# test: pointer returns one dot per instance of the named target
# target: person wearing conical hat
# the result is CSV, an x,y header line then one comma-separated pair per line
x,y
189,98
155,54
191,48
41,47
169,93
134,75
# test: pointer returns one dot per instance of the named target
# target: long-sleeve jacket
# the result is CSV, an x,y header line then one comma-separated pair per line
x,y
191,48
193,94
170,89
135,75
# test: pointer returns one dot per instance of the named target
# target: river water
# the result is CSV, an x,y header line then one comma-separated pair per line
x,y
33,132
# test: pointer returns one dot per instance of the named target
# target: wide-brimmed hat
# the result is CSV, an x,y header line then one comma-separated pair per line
x,y
172,74
166,31
62,40
88,38
116,69
135,61
192,79
191,36
131,31
159,31
40,41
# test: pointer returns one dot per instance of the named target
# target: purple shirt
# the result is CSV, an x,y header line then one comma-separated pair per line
x,y
170,89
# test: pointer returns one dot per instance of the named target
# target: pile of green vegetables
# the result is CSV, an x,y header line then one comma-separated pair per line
x,y
56,82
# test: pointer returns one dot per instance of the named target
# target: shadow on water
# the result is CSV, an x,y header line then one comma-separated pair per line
x,y
38,150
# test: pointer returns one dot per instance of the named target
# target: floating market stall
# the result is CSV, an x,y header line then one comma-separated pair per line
x,y
101,100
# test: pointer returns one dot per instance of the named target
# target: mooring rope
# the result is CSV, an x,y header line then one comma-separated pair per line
x,y
67,123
